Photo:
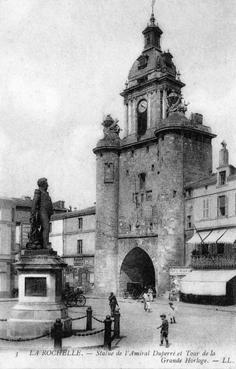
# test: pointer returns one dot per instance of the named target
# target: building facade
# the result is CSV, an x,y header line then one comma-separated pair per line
x,y
73,237
141,178
7,246
211,236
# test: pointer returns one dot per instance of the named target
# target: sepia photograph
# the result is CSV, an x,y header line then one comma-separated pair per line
x,y
117,184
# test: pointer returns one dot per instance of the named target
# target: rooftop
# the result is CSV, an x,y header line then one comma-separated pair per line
x,y
74,214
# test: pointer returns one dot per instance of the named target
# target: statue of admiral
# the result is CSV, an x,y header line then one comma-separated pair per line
x,y
41,212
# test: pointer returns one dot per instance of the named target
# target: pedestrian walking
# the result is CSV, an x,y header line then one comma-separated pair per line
x,y
57,333
150,294
146,301
164,330
172,312
113,303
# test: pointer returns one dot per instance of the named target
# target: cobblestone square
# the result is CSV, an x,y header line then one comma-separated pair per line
x,y
199,328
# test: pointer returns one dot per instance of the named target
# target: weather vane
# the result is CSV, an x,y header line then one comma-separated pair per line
x,y
153,3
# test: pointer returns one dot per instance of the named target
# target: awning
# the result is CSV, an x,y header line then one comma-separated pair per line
x,y
206,282
229,236
215,236
198,237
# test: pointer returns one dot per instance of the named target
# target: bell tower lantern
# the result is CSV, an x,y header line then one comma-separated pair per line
x,y
151,79
152,35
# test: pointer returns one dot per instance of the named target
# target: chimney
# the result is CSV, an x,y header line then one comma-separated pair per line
x,y
196,118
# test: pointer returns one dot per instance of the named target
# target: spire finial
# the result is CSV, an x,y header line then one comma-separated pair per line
x,y
152,19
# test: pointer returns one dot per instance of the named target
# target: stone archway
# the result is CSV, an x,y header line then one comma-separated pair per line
x,y
137,267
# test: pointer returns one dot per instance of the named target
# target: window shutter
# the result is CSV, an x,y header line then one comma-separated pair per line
x,y
226,206
218,206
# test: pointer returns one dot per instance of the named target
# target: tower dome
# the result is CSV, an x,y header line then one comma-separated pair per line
x,y
152,60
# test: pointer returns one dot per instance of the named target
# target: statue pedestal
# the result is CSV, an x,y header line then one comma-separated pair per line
x,y
40,289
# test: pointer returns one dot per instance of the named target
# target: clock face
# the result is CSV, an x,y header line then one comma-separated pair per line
x,y
142,106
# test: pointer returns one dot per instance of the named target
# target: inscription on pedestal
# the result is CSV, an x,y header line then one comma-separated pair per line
x,y
35,286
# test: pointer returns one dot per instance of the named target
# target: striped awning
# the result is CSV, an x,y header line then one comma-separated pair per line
x,y
198,237
215,236
229,236
206,282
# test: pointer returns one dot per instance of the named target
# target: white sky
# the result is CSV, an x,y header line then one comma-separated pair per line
x,y
63,64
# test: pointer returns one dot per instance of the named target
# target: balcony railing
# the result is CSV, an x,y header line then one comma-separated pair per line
x,y
213,262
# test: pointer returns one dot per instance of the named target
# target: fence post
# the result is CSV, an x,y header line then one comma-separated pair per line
x,y
89,318
57,334
107,333
117,323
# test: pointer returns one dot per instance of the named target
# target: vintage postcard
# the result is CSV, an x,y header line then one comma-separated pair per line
x,y
117,184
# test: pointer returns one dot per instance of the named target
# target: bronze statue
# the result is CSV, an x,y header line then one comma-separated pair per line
x,y
41,212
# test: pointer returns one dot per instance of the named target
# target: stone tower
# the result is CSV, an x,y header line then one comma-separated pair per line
x,y
107,198
161,150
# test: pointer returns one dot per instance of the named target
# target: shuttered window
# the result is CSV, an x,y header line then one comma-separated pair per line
x,y
222,206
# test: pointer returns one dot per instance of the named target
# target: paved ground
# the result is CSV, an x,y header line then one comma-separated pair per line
x,y
198,328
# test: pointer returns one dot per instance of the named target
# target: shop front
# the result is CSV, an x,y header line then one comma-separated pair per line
x,y
80,273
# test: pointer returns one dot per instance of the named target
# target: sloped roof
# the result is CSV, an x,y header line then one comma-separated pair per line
x,y
76,213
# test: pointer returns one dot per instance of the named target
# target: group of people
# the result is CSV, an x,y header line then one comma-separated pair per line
x,y
147,299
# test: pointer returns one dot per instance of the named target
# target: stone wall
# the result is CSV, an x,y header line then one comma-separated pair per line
x,y
197,157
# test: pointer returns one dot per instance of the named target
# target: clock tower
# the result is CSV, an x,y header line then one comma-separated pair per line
x,y
141,177
151,79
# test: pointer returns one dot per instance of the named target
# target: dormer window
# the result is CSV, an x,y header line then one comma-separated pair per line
x,y
143,60
222,177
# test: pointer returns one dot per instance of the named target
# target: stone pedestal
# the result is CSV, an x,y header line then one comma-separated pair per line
x,y
40,289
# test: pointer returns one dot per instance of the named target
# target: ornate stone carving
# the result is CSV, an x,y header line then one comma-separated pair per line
x,y
111,128
175,103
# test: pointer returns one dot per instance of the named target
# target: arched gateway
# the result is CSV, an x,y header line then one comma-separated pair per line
x,y
137,267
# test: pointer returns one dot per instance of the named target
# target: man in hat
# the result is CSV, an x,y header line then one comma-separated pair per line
x,y
42,209
113,303
164,330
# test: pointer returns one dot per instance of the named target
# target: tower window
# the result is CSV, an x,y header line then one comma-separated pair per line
x,y
142,180
153,167
222,177
147,149
127,172
108,173
174,193
142,197
148,40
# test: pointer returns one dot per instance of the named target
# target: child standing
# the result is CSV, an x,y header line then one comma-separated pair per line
x,y
172,311
145,300
164,330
